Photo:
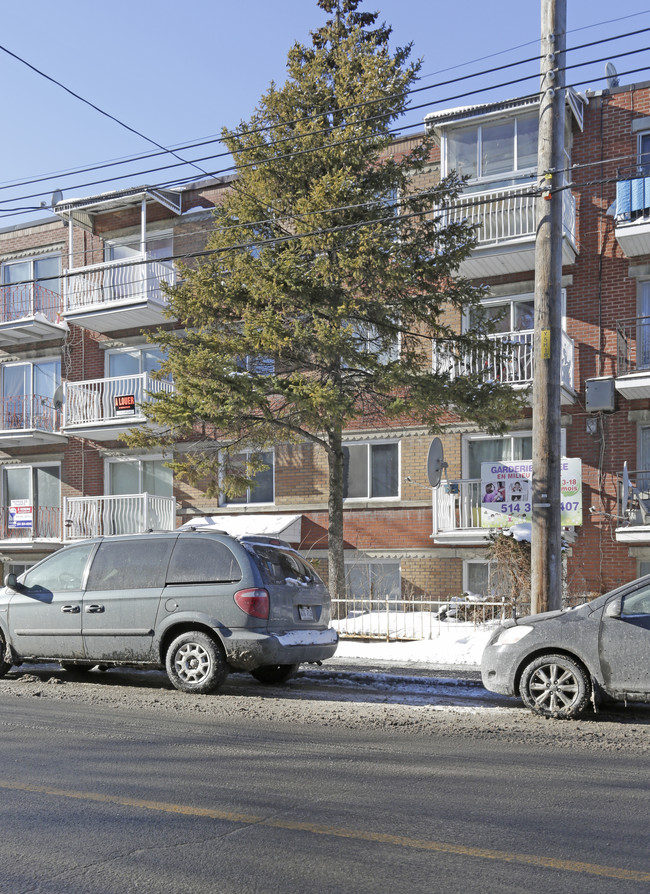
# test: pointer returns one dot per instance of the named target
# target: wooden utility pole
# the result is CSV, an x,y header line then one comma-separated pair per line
x,y
546,547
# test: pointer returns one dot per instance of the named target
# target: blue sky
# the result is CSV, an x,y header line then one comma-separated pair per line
x,y
179,71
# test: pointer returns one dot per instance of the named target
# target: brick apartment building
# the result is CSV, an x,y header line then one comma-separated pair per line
x,y
79,290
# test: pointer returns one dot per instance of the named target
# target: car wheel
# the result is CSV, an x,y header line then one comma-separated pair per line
x,y
196,663
5,666
275,673
555,686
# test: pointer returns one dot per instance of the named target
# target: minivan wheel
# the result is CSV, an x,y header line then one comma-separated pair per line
x,y
196,663
274,673
555,686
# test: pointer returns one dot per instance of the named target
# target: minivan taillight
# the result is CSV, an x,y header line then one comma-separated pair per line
x,y
254,602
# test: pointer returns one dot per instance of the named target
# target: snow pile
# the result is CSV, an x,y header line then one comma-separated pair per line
x,y
453,644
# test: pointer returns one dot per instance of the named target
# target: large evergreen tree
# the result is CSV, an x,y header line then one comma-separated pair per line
x,y
328,276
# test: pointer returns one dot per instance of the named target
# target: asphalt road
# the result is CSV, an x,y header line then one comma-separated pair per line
x,y
136,788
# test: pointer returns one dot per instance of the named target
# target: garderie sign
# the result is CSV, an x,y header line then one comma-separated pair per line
x,y
506,492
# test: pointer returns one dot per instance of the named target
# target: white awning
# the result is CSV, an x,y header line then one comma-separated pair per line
x,y
288,527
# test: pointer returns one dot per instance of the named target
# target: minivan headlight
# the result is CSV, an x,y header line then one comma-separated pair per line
x,y
512,634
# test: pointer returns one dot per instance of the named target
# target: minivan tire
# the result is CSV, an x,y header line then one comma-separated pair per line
x,y
196,663
274,673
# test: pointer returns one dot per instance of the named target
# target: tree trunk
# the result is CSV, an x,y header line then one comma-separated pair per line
x,y
335,523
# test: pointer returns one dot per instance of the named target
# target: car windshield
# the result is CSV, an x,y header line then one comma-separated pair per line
x,y
281,566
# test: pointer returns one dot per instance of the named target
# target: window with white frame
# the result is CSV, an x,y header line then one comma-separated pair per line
x,y
28,395
479,577
31,500
158,246
133,360
371,470
262,488
367,580
515,313
139,475
643,150
31,285
385,348
495,148
481,448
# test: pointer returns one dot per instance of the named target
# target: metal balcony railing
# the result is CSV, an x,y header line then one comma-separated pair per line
x,y
501,215
102,401
43,523
636,511
26,300
116,282
123,514
632,198
632,345
509,361
29,412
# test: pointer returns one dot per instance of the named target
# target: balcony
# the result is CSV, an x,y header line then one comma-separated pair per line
x,y
510,362
103,409
632,216
23,530
28,311
633,357
506,230
457,513
29,419
633,507
123,514
122,294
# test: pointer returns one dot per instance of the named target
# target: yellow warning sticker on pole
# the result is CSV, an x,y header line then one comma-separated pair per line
x,y
546,344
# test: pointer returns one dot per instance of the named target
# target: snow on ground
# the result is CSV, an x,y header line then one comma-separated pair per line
x,y
452,644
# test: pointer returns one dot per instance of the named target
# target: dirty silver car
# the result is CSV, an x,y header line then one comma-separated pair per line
x,y
198,603
560,662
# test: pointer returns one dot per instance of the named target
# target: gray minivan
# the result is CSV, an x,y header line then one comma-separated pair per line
x,y
198,603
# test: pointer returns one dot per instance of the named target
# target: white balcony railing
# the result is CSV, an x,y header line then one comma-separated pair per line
x,y
116,282
102,401
509,361
457,506
29,412
123,514
502,215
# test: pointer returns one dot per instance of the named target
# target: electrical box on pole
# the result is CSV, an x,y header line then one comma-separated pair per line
x,y
546,539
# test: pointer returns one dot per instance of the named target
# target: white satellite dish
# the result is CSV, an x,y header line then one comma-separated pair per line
x,y
57,195
435,462
58,398
612,75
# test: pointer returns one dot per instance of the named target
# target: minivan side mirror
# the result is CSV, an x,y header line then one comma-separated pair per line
x,y
613,608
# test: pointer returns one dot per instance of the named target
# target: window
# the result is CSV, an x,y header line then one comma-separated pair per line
x,y
279,566
158,246
139,476
512,314
494,149
262,488
371,471
485,449
198,560
31,286
62,571
644,154
130,564
256,365
635,604
478,577
386,349
28,395
32,501
368,580
133,361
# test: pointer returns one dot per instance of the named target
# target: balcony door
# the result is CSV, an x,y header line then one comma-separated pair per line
x,y
32,502
28,395
643,327
128,478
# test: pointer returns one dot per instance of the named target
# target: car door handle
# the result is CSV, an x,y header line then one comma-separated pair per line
x,y
70,609
94,609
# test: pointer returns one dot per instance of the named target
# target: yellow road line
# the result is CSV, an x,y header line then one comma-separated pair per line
x,y
440,847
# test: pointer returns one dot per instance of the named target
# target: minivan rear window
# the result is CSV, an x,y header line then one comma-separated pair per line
x,y
198,560
279,566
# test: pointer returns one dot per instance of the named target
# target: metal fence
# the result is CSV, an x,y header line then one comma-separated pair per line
x,y
392,618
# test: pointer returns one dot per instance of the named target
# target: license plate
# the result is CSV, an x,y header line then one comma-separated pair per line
x,y
306,613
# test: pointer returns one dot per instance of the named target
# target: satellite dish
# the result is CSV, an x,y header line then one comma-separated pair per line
x,y
435,462
611,75
57,195
58,398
